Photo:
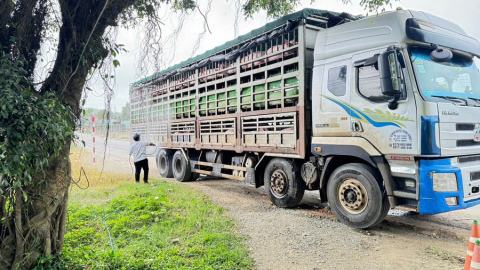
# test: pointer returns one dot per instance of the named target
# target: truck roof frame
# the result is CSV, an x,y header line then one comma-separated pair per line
x,y
331,19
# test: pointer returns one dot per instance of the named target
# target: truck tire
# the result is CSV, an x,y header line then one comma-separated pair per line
x,y
164,163
283,184
181,168
194,176
356,197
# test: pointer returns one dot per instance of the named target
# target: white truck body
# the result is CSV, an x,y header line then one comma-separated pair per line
x,y
412,137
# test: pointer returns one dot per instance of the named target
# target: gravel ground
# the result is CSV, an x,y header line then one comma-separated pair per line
x,y
310,237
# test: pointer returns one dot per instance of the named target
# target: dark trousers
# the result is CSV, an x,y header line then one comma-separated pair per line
x,y
142,164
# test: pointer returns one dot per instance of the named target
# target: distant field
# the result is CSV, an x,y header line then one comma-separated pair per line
x,y
159,226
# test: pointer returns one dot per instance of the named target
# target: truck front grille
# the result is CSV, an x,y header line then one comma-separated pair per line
x,y
469,159
475,176
465,127
463,143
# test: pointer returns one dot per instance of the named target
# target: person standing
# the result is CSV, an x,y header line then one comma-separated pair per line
x,y
139,151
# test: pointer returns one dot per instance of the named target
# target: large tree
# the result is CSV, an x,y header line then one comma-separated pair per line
x,y
37,119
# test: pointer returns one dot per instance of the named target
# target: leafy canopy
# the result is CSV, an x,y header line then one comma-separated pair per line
x,y
33,127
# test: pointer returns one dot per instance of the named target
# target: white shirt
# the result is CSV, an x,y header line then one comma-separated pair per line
x,y
139,150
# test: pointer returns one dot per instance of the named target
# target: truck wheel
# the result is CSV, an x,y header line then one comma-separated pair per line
x,y
356,197
283,184
181,168
194,176
164,163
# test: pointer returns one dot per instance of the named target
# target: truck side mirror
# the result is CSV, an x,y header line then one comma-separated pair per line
x,y
390,69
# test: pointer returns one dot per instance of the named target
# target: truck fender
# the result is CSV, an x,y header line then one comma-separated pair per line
x,y
333,162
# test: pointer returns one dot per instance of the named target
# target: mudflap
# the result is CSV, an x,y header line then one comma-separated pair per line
x,y
250,177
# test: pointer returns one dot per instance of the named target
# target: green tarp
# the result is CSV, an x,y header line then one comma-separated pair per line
x,y
266,28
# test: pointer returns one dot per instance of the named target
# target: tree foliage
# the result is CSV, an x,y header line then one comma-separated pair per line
x,y
32,127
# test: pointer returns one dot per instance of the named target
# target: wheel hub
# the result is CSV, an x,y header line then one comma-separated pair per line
x,y
353,196
279,182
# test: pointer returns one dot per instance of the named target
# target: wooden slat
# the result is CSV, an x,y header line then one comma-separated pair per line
x,y
226,176
228,167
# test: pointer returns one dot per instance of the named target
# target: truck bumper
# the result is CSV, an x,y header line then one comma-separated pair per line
x,y
432,202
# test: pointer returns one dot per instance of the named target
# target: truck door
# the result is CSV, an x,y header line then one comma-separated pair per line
x,y
331,115
390,131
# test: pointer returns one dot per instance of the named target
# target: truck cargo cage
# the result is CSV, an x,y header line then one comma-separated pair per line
x,y
258,78
278,131
218,132
159,133
182,134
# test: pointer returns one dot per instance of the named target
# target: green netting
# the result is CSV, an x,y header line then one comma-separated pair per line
x,y
259,88
266,28
246,91
259,97
273,85
246,99
192,101
222,103
291,92
203,99
291,81
232,94
275,95
259,105
186,102
222,95
290,70
211,98
232,102
203,106
275,74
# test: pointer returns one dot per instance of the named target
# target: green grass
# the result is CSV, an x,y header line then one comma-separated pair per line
x,y
167,226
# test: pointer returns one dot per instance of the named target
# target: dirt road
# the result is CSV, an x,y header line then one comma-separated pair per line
x,y
310,237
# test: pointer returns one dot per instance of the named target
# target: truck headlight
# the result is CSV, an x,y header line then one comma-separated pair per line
x,y
443,182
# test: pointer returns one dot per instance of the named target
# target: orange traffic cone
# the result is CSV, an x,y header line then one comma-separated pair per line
x,y
475,264
474,236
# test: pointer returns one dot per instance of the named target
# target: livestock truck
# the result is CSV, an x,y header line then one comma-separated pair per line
x,y
376,113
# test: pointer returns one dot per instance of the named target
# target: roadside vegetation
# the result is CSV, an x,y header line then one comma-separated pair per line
x,y
160,225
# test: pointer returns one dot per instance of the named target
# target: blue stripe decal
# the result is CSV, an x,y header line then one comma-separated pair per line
x,y
355,113
428,136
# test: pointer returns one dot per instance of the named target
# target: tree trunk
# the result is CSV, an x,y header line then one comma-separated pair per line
x,y
36,227
39,224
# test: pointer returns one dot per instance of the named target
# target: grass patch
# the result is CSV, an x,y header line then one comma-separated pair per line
x,y
446,256
159,226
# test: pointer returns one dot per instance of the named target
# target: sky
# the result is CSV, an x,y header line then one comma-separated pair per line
x,y
221,21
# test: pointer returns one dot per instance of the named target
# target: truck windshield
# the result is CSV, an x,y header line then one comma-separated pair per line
x,y
459,78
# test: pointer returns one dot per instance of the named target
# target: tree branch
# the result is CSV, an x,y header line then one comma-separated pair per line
x,y
19,251
206,22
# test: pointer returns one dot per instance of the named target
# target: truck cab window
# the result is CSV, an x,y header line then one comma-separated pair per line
x,y
457,78
369,85
337,81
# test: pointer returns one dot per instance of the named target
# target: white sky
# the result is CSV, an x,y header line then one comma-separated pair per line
x,y
221,20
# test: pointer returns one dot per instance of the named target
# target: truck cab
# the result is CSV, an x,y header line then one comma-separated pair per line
x,y
396,98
